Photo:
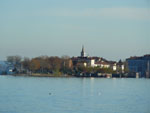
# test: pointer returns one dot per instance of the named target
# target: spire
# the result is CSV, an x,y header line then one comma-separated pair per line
x,y
83,54
83,48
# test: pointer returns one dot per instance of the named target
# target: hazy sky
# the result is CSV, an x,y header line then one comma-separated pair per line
x,y
114,29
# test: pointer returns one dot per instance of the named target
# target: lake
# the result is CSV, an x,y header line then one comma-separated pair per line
x,y
74,95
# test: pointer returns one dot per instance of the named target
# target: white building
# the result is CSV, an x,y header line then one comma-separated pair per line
x,y
85,61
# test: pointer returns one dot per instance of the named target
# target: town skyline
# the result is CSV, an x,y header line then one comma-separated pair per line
x,y
81,53
81,66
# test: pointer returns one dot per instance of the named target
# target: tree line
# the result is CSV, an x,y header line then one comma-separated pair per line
x,y
52,65
42,64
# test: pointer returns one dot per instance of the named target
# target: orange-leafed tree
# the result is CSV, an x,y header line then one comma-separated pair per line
x,y
34,65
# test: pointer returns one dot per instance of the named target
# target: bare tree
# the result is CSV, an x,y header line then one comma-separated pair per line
x,y
26,63
16,61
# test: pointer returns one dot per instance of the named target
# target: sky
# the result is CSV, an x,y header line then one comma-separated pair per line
x,y
113,29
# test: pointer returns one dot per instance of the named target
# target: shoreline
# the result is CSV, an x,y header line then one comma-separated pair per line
x,y
62,76
43,75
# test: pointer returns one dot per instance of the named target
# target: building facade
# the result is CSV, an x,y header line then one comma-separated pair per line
x,y
139,65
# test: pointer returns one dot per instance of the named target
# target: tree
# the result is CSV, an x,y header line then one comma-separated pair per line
x,y
126,70
55,63
66,65
44,64
16,61
26,63
34,65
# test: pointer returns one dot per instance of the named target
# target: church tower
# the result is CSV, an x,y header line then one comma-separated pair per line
x,y
83,54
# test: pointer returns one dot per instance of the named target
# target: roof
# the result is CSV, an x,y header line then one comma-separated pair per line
x,y
102,62
145,57
86,58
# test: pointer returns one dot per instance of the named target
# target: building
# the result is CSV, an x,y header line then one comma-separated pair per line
x,y
6,68
86,61
120,66
139,65
102,64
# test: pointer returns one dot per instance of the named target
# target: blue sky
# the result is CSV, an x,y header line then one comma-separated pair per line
x,y
113,29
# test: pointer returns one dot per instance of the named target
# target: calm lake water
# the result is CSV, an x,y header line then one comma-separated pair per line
x,y
73,95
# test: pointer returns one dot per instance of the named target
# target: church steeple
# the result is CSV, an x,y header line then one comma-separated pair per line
x,y
83,54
